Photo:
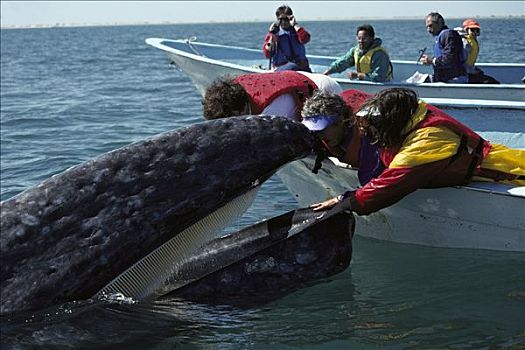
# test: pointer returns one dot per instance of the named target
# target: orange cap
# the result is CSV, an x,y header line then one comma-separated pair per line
x,y
470,23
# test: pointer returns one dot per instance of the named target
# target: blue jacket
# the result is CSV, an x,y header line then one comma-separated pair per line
x,y
290,49
448,51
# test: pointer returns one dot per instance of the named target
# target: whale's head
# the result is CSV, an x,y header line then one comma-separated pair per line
x,y
120,221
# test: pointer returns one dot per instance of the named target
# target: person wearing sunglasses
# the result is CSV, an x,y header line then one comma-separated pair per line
x,y
331,117
284,42
449,60
423,147
470,32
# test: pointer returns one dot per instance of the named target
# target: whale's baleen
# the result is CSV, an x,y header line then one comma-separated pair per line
x,y
73,235
267,260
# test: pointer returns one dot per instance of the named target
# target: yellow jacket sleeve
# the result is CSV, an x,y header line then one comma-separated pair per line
x,y
426,145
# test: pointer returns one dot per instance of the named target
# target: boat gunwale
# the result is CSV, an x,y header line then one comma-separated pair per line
x,y
158,43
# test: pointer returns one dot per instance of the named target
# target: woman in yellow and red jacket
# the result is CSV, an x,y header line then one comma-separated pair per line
x,y
423,147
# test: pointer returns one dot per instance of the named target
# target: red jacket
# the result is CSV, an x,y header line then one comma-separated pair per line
x,y
288,50
263,88
394,183
302,35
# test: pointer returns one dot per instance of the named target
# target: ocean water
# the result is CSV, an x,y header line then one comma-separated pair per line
x,y
70,94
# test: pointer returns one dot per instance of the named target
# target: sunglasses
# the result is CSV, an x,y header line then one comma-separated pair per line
x,y
475,30
284,19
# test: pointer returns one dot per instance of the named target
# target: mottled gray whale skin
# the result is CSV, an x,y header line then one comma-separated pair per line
x,y
268,260
67,237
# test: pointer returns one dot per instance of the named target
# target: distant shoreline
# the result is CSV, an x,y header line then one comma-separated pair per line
x,y
74,25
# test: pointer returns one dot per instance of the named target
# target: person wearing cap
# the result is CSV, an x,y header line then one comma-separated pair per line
x,y
470,33
423,147
275,93
331,117
448,61
284,42
370,59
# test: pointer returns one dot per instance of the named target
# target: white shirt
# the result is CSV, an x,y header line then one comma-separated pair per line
x,y
285,105
324,82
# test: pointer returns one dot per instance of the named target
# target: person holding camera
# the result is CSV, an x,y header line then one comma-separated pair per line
x,y
284,42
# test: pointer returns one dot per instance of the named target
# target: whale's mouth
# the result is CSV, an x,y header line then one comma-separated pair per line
x,y
143,279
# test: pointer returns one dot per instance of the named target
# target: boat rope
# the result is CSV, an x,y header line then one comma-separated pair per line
x,y
189,41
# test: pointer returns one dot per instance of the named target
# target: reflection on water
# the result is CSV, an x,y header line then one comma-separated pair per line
x,y
393,295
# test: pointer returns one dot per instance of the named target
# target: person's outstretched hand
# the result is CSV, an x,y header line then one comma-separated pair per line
x,y
325,205
343,203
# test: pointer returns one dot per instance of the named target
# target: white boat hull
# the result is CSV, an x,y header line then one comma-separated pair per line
x,y
204,63
478,216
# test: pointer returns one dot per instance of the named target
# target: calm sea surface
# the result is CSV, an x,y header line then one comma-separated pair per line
x,y
70,94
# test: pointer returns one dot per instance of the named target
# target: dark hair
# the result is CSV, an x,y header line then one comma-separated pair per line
x,y
224,98
436,18
368,29
283,9
396,106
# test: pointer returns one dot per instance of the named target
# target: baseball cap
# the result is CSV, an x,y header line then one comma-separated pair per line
x,y
471,23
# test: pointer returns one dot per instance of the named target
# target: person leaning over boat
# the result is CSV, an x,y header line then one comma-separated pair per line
x,y
370,59
448,61
470,32
278,93
284,42
331,117
423,147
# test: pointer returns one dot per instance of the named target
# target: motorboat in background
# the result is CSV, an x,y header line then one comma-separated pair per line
x,y
204,63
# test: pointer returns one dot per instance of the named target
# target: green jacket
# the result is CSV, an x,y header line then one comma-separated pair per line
x,y
380,65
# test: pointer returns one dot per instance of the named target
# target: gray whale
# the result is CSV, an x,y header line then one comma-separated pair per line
x,y
70,236
267,260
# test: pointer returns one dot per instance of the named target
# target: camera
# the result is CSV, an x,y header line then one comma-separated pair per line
x,y
275,28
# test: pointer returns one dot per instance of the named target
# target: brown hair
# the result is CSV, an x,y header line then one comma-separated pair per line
x,y
224,98
395,106
283,10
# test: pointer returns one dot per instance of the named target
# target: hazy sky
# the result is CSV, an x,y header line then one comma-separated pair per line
x,y
24,13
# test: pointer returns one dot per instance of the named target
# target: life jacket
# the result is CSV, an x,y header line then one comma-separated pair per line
x,y
474,50
456,67
354,99
364,64
289,49
469,155
263,88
